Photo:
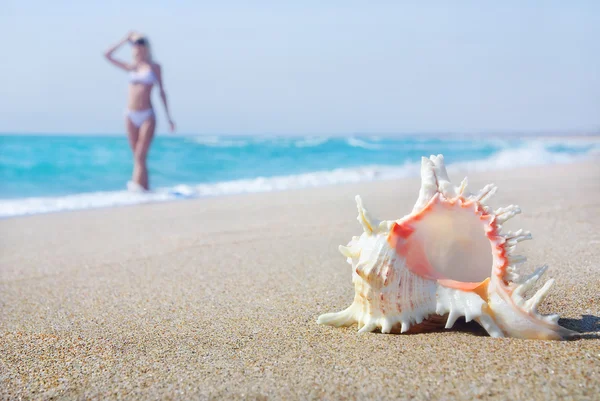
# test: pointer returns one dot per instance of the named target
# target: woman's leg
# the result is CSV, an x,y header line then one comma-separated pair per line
x,y
133,133
146,134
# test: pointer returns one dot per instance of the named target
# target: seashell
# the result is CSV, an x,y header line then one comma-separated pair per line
x,y
447,259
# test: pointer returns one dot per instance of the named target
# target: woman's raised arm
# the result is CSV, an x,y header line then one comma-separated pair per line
x,y
109,54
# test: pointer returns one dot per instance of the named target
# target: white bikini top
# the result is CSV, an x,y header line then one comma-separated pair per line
x,y
146,77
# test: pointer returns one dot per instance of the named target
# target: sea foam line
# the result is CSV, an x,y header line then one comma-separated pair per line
x,y
534,154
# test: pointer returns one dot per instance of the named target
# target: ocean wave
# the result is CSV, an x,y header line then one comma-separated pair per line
x,y
532,154
219,142
359,143
310,142
453,146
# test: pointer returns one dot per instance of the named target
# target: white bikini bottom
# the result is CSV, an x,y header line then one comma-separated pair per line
x,y
137,117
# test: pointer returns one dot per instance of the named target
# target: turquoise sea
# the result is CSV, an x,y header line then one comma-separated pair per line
x,y
46,173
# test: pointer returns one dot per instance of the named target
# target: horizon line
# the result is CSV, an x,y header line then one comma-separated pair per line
x,y
572,132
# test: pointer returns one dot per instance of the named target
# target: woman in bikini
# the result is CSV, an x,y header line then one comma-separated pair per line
x,y
140,119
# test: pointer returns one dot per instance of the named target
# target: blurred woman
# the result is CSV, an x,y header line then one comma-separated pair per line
x,y
140,119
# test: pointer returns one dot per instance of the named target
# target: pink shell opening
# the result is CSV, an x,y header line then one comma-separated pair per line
x,y
451,241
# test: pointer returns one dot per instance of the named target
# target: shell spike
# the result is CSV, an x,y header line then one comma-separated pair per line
x,y
490,326
506,213
338,319
516,259
529,282
386,326
348,252
452,317
486,193
367,328
532,303
368,223
518,236
444,185
428,184
463,186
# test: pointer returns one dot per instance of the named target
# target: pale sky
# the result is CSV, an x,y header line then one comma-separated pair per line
x,y
307,67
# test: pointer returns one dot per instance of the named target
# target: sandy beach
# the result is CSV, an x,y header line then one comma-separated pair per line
x,y
218,299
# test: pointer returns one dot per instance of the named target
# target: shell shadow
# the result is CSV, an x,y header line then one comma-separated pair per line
x,y
588,326
437,326
473,328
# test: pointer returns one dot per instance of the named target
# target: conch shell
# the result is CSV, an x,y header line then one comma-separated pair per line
x,y
446,258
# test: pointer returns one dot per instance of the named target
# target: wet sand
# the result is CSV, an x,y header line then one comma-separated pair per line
x,y
218,299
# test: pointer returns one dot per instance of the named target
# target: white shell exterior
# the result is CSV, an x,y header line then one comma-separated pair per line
x,y
391,295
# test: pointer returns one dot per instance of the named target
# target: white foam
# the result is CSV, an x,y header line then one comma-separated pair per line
x,y
310,142
19,207
535,153
219,141
359,143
